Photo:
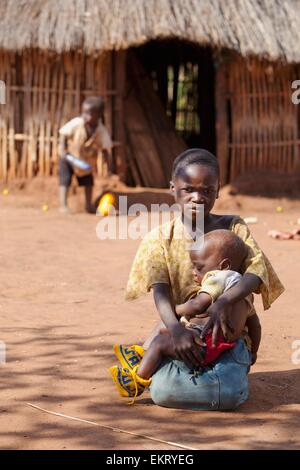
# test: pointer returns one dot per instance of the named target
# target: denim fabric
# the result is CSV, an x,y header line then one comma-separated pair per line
x,y
222,385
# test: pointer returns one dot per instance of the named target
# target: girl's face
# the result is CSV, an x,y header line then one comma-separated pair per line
x,y
196,185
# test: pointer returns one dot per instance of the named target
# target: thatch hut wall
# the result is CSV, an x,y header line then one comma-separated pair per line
x,y
258,126
43,91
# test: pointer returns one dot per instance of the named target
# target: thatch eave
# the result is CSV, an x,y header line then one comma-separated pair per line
x,y
268,29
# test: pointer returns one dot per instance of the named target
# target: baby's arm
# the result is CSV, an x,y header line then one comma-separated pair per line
x,y
254,331
220,310
195,306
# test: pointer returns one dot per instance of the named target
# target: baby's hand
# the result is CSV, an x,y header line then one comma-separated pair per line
x,y
184,321
200,341
188,316
202,315
180,311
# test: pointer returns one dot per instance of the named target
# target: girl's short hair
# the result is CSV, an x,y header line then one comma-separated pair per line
x,y
195,157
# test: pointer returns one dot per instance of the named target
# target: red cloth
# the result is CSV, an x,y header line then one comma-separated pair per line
x,y
211,354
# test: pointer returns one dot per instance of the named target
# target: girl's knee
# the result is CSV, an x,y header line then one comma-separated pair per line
x,y
159,395
231,399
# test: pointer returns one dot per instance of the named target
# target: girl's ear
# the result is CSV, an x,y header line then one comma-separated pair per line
x,y
225,264
172,187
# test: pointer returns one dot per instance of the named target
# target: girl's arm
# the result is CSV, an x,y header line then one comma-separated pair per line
x,y
248,284
185,341
219,311
164,304
254,332
258,265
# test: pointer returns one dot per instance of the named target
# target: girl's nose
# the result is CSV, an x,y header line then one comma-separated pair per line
x,y
198,198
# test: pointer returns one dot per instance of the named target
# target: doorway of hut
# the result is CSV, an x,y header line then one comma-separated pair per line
x,y
173,107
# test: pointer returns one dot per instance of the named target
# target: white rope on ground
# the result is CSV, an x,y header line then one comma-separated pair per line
x,y
175,444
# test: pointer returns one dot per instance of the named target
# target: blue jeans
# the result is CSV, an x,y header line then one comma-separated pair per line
x,y
222,385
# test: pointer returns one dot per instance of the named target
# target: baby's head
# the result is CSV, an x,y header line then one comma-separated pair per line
x,y
221,249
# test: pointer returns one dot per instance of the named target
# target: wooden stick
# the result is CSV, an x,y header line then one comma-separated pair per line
x,y
92,423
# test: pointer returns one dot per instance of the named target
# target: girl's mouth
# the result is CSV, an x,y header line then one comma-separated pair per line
x,y
196,209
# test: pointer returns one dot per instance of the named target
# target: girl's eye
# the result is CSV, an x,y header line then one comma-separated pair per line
x,y
188,190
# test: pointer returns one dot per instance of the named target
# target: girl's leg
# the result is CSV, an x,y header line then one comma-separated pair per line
x,y
223,386
161,346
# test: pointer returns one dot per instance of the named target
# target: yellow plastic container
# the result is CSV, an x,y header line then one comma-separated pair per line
x,y
106,204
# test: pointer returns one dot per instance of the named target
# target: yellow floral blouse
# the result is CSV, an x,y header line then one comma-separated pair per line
x,y
163,257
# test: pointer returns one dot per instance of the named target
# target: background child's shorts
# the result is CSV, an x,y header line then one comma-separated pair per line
x,y
65,173
223,385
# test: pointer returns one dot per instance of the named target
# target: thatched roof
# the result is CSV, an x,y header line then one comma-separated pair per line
x,y
266,28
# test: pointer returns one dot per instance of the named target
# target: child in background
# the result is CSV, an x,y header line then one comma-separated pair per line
x,y
84,137
278,235
217,265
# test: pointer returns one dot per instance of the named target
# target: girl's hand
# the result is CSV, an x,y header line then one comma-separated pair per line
x,y
254,358
186,345
219,320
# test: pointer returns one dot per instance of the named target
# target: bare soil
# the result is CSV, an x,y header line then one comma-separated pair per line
x,y
62,308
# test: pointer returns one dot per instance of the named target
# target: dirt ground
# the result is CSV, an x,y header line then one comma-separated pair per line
x,y
62,308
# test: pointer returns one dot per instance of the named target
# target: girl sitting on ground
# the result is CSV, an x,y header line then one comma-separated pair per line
x,y
163,264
